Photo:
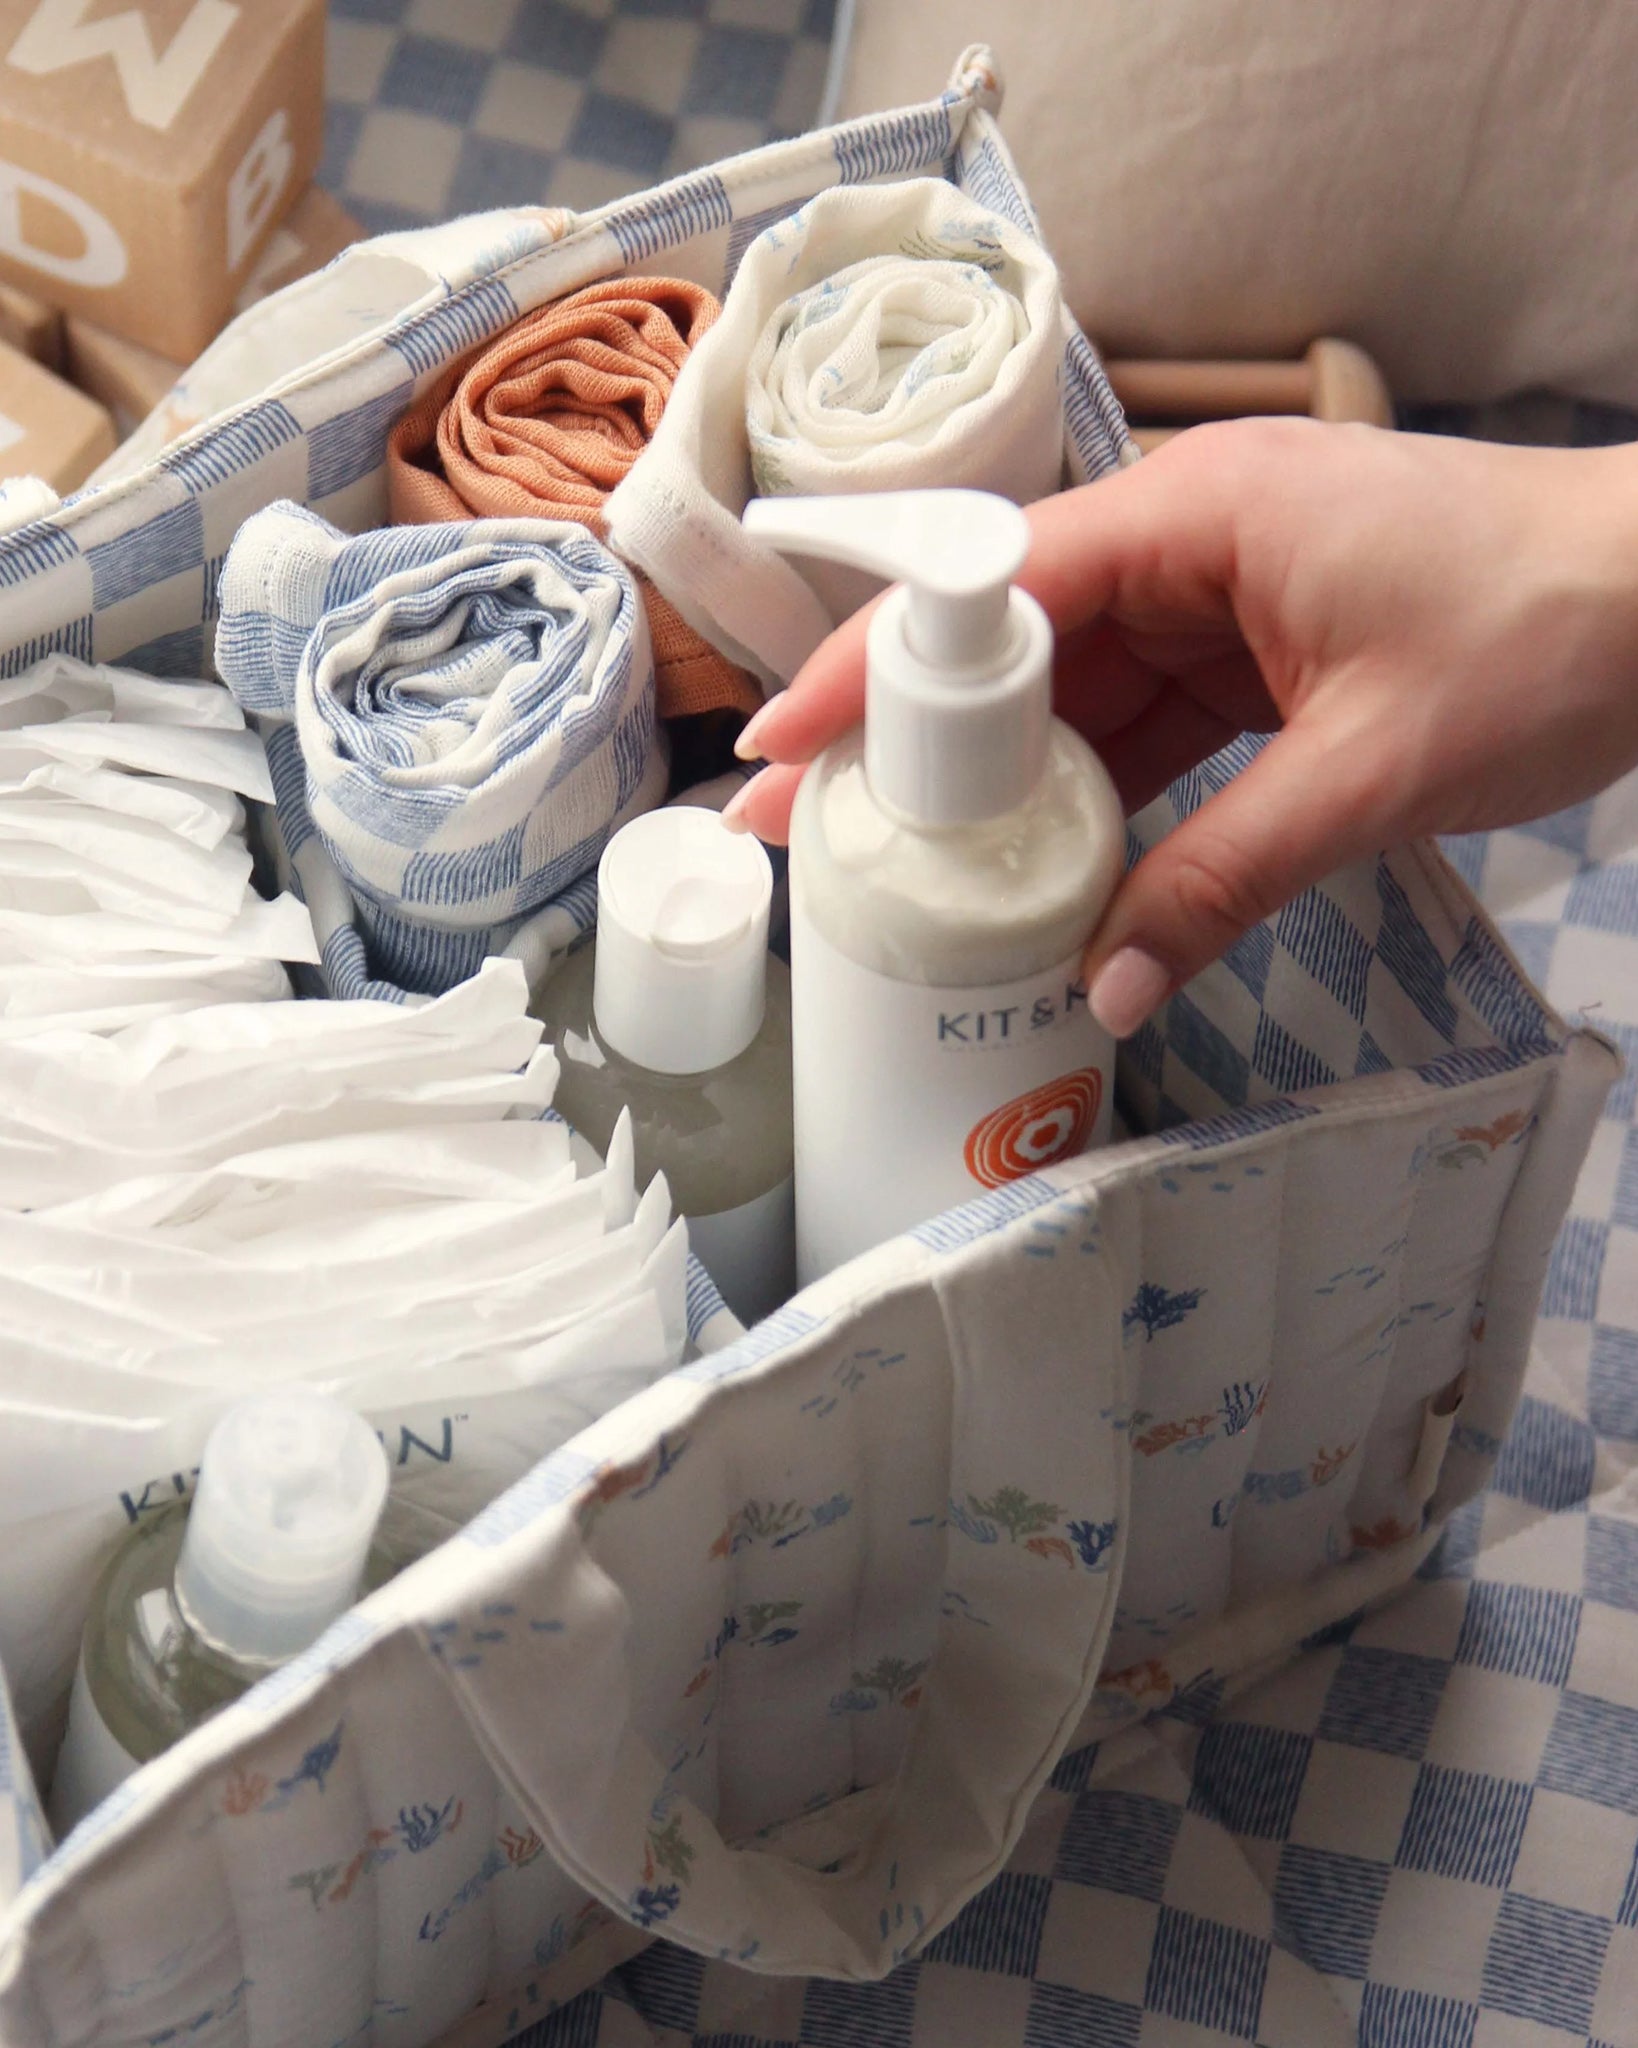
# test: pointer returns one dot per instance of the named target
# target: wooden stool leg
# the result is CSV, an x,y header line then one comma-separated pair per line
x,y
1334,380
1209,391
1347,385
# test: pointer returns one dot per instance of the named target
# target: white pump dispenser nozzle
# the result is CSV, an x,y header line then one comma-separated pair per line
x,y
959,697
956,551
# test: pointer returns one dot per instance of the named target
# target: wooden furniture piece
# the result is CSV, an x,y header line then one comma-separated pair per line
x,y
1333,381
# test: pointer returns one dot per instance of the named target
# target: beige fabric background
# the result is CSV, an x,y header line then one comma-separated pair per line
x,y
1451,183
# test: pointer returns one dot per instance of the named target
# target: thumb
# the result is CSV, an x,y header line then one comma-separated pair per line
x,y
1306,805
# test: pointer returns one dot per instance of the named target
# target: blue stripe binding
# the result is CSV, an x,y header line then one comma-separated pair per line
x,y
470,316
893,146
236,445
692,206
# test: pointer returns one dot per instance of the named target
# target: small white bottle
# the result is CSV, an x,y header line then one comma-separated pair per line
x,y
206,1598
946,869
679,1014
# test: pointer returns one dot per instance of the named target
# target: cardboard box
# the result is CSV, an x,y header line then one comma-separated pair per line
x,y
47,428
315,230
148,150
130,380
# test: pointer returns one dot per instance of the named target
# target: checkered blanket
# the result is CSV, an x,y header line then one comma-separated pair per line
x,y
444,107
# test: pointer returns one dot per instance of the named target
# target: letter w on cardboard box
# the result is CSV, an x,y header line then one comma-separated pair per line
x,y
148,150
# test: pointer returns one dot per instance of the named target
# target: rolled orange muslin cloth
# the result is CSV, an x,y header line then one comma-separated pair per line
x,y
543,423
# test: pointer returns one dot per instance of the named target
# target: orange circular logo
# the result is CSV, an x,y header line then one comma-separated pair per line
x,y
1033,1130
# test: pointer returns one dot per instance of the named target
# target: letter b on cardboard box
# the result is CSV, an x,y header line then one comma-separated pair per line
x,y
148,149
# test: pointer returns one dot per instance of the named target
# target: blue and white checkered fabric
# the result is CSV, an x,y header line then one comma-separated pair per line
x,y
1313,996
444,107
461,714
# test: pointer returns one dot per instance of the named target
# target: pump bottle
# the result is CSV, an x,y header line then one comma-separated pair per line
x,y
679,1014
947,866
211,1594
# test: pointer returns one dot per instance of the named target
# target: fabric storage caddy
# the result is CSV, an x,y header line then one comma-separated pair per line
x,y
772,1659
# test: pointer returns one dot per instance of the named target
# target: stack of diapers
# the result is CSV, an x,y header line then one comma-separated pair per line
x,y
883,338
456,716
360,1197
125,875
80,1112
547,420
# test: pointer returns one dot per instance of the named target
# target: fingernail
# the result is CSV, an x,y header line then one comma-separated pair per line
x,y
746,745
733,811
1128,986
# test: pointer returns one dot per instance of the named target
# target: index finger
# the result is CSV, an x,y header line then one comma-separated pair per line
x,y
825,699
1148,537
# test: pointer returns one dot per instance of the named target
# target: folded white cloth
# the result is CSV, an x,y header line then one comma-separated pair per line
x,y
456,716
125,876
883,338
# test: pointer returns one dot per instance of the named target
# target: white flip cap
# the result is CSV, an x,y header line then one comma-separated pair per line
x,y
682,941
290,1489
958,707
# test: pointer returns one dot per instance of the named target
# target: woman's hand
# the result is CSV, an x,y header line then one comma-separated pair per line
x,y
1442,634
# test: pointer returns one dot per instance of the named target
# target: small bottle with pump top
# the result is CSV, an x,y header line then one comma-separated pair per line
x,y
679,1013
212,1594
947,866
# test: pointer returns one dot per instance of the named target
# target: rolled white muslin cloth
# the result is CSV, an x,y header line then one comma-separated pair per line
x,y
883,338
456,718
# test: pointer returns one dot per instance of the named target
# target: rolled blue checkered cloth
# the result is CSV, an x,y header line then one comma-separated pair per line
x,y
461,714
